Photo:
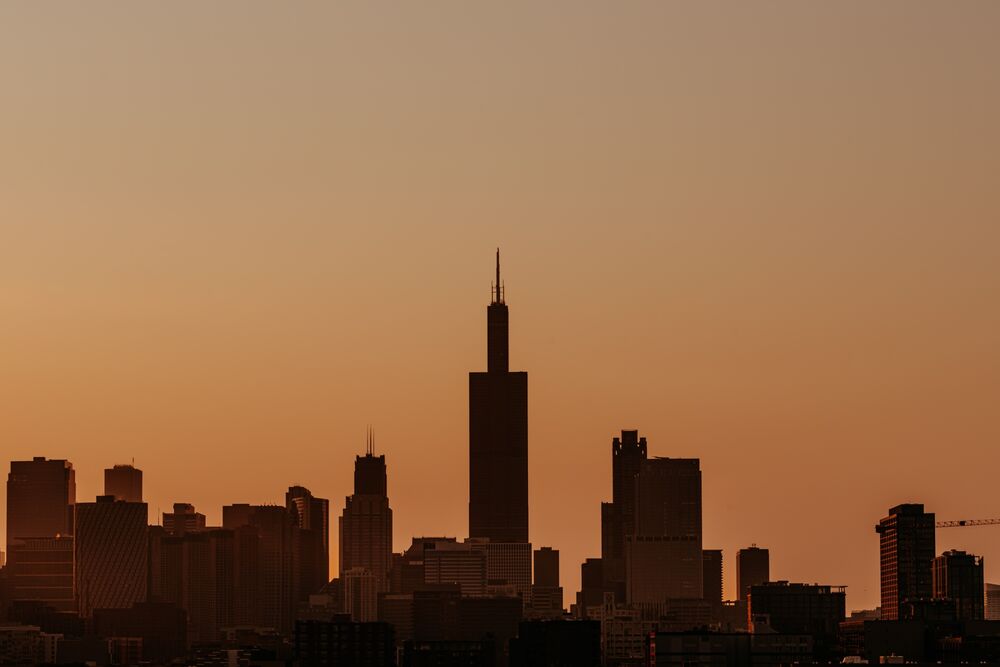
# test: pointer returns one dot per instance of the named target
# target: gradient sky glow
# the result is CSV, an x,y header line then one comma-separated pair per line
x,y
764,234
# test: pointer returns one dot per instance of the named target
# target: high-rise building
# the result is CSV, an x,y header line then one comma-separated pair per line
x,y
184,519
312,516
546,567
711,577
628,453
111,554
40,497
360,594
958,577
508,564
451,562
275,531
798,609
366,524
41,569
906,551
663,559
993,602
498,436
753,567
124,482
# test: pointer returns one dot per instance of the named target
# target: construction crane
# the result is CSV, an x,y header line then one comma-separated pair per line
x,y
961,523
967,522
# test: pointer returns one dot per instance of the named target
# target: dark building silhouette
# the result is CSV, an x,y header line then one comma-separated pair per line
x,y
592,586
618,517
184,519
711,577
546,567
41,570
124,482
40,498
366,523
557,644
906,551
958,578
753,567
663,559
312,517
546,593
111,554
276,529
161,626
343,642
798,609
451,653
498,437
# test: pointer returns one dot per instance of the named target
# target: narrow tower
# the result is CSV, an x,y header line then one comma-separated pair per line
x,y
498,436
366,524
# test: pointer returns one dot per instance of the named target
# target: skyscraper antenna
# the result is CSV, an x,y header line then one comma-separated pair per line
x,y
498,298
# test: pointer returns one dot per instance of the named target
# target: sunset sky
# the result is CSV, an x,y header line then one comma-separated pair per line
x,y
767,235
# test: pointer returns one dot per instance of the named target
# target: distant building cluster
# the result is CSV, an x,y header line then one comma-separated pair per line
x,y
95,583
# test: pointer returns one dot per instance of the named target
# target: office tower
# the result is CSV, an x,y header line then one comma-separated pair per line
x,y
618,517
275,530
184,519
958,577
366,524
450,562
906,550
546,567
124,482
198,571
663,559
111,554
798,609
41,569
992,602
40,498
312,516
360,594
498,437
508,565
753,567
711,575
592,586
546,593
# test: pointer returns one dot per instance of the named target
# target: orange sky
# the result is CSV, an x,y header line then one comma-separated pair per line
x,y
765,234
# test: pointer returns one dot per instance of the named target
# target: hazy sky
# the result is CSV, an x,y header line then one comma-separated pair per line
x,y
764,234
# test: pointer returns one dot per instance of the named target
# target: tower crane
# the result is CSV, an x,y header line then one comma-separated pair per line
x,y
967,522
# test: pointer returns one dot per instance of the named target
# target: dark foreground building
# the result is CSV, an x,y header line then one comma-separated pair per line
x,y
559,643
712,649
906,550
342,642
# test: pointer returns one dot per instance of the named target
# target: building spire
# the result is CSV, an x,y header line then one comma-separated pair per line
x,y
498,297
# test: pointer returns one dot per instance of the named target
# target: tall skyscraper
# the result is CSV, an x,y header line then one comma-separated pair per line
x,y
628,453
312,516
40,498
498,436
546,567
753,568
663,559
906,551
366,524
111,554
712,575
360,594
124,482
958,578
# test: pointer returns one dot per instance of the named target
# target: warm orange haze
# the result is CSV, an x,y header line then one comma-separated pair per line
x,y
766,235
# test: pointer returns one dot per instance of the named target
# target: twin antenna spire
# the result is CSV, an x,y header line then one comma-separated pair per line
x,y
370,441
498,286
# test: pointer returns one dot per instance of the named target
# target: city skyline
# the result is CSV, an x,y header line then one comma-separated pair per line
x,y
764,237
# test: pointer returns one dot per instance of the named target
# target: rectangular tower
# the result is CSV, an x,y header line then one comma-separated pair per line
x,y
958,578
753,567
366,523
111,554
906,552
40,497
124,482
498,437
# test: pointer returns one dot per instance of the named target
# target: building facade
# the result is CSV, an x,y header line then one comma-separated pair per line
x,y
366,523
111,554
753,568
124,482
906,552
958,578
